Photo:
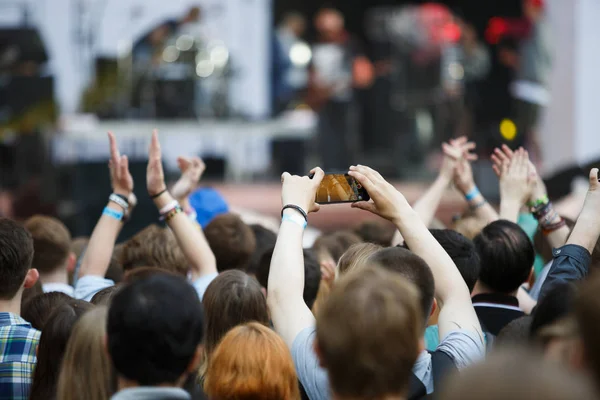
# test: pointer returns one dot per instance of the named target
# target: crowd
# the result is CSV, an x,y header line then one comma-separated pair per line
x,y
229,311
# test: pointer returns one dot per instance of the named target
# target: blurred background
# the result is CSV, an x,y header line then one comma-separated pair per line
x,y
256,87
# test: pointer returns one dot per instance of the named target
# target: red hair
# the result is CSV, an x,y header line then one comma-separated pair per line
x,y
251,362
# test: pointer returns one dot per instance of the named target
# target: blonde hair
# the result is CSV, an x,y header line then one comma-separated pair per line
x,y
86,372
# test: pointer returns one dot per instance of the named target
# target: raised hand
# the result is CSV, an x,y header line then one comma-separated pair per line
x,y
504,155
461,151
384,197
301,190
191,173
120,177
515,182
155,176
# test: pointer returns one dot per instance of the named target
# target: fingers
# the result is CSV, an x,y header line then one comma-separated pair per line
x,y
497,170
502,155
366,206
318,175
285,176
368,173
453,152
364,181
507,151
114,149
594,184
124,166
154,151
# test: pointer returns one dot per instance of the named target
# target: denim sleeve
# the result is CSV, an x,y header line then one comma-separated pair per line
x,y
571,263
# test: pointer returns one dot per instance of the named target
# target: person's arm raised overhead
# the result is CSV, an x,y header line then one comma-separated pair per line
x,y
552,224
289,313
516,185
457,310
191,169
191,239
572,261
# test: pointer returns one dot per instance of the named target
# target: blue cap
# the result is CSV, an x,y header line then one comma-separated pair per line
x,y
208,203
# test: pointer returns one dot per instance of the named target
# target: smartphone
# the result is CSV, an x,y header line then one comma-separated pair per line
x,y
340,188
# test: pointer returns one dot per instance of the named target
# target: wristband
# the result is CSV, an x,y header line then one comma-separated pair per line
x,y
296,219
170,206
168,216
472,194
539,202
154,196
478,205
112,213
295,207
124,204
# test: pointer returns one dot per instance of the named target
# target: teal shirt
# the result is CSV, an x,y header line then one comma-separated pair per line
x,y
432,338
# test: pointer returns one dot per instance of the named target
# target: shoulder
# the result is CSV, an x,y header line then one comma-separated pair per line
x,y
463,346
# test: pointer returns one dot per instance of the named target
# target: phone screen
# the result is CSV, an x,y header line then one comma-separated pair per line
x,y
340,188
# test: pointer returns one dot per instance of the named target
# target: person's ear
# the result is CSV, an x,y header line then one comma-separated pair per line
x,y
319,354
264,291
31,278
434,307
71,262
421,344
194,364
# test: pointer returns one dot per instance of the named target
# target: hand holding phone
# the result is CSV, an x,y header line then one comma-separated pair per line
x,y
340,188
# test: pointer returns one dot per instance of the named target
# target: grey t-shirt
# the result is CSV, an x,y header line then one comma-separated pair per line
x,y
463,346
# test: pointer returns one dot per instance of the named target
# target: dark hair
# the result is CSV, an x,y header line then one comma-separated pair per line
x,y
51,242
312,275
30,293
231,241
154,328
556,304
37,310
265,241
506,255
411,267
16,255
516,333
335,244
232,298
462,251
139,273
52,347
377,232
115,270
104,297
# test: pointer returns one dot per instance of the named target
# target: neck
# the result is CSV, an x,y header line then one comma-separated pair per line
x,y
482,288
58,276
14,305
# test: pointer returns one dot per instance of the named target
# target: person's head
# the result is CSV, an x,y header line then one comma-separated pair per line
x,y
154,331
376,231
312,275
533,9
104,297
332,246
154,247
231,299
140,273
295,22
506,255
265,241
86,367
412,268
516,375
16,255
231,240
356,255
468,225
463,253
251,362
115,269
52,346
329,23
37,309
51,244
516,333
369,333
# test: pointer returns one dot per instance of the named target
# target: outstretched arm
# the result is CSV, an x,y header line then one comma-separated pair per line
x,y
191,239
457,310
289,313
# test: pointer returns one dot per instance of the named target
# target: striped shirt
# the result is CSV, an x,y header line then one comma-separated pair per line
x,y
18,344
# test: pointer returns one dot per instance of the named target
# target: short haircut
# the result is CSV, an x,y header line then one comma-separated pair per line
x,y
37,310
462,251
357,254
115,270
51,243
506,255
16,255
231,299
145,273
312,275
251,362
52,347
587,312
154,328
516,375
368,333
231,240
411,267
516,333
335,244
154,247
104,297
265,241
30,293
376,231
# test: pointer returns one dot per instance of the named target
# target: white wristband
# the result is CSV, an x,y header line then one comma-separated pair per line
x,y
170,206
295,218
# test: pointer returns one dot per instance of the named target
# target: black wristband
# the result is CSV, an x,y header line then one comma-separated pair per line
x,y
295,207
154,196
122,196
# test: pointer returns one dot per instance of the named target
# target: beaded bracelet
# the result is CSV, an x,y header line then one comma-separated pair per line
x,y
539,202
546,230
168,216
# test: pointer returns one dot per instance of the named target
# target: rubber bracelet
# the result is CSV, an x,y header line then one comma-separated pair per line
x,y
154,196
296,219
109,212
295,207
170,206
119,201
472,194
539,202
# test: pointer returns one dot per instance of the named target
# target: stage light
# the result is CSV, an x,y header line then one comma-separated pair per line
x,y
170,54
300,54
219,55
184,42
205,68
508,129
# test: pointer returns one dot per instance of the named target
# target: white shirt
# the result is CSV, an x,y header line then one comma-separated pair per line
x,y
58,287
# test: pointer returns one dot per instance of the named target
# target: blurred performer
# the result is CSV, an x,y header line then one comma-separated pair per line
x,y
287,79
533,65
337,68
